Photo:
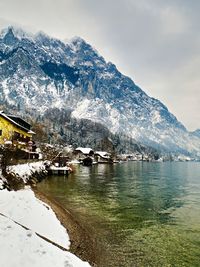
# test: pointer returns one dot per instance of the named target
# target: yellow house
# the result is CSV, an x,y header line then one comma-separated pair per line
x,y
14,130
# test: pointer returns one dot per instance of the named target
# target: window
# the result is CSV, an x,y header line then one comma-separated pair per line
x,y
0,132
16,136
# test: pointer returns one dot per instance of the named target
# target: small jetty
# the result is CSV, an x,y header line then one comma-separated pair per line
x,y
58,170
59,166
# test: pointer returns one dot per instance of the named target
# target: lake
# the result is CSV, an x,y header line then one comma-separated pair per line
x,y
140,213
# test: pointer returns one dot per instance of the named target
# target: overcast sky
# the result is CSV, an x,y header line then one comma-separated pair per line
x,y
155,42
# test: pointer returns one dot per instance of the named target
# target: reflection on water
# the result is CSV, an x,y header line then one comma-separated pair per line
x,y
144,214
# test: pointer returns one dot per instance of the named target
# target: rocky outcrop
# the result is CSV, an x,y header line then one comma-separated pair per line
x,y
17,176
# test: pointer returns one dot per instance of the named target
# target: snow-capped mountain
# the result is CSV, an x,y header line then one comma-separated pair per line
x,y
196,133
38,72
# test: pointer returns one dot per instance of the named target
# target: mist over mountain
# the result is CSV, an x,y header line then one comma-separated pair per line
x,y
39,73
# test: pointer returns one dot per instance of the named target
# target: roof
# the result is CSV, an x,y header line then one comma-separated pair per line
x,y
17,121
84,150
20,121
102,154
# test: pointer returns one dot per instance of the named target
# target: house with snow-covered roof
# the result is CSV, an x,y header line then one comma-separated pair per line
x,y
83,152
102,157
14,130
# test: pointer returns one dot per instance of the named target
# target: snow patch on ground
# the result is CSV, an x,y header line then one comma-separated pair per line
x,y
2,180
22,206
27,169
21,247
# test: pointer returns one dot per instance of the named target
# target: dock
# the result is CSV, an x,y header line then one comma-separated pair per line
x,y
52,169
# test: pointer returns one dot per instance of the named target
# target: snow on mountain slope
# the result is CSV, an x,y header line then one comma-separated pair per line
x,y
38,72
196,133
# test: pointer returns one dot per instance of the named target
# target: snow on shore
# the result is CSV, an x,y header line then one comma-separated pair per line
x,y
22,206
2,180
21,247
25,170
24,248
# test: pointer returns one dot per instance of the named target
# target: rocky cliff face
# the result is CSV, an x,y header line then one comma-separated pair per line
x,y
38,72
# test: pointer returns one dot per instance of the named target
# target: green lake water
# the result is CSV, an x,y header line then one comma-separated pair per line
x,y
140,213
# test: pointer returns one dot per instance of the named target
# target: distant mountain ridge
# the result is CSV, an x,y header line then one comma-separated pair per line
x,y
38,72
196,133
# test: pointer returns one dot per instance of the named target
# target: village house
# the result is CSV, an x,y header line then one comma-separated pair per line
x,y
14,130
102,157
83,152
84,155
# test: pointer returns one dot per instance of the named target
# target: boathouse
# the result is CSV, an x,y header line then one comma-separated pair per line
x,y
82,152
102,157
